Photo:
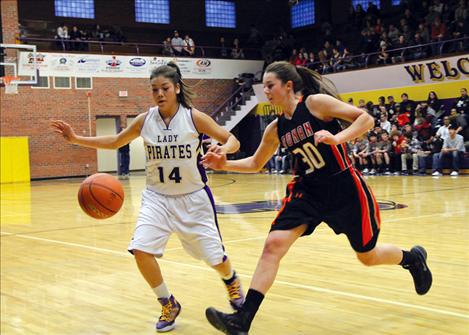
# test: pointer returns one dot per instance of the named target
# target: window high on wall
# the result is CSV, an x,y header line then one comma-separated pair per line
x,y
396,2
83,9
220,13
364,3
152,11
302,14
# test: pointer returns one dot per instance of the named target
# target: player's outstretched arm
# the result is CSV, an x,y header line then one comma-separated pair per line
x,y
102,142
327,108
264,152
206,125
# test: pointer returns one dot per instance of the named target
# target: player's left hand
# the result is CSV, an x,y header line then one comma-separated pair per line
x,y
323,136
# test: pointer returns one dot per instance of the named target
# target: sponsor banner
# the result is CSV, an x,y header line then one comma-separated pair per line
x,y
26,63
76,65
425,72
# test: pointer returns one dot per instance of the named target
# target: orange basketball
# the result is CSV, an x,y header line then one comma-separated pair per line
x,y
101,195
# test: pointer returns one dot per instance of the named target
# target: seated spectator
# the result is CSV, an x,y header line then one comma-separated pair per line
x,y
398,55
372,150
428,148
459,30
384,123
189,46
422,30
403,118
294,56
335,60
324,67
236,51
98,33
340,46
433,101
460,121
453,146
419,51
310,62
391,106
382,154
362,104
223,49
409,149
362,153
281,159
443,131
62,37
76,38
395,154
407,102
383,56
300,60
393,34
167,49
437,35
462,103
347,60
177,43
423,126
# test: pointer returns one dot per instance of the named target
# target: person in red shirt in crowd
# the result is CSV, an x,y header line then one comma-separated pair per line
x,y
395,153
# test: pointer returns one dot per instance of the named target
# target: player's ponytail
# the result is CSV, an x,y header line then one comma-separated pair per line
x,y
305,81
172,72
314,83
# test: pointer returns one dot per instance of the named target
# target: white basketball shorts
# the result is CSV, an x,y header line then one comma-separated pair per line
x,y
191,216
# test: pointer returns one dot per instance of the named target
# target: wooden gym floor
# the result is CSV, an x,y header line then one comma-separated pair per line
x,y
65,273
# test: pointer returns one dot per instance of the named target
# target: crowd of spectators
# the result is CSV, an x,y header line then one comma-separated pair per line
x,y
422,25
75,39
370,36
408,137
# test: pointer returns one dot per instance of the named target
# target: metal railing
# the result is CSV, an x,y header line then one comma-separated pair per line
x,y
68,45
363,60
238,97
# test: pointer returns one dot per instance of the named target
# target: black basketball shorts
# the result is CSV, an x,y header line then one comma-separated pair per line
x,y
344,202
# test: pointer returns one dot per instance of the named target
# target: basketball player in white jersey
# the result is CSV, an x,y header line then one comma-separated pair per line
x,y
176,198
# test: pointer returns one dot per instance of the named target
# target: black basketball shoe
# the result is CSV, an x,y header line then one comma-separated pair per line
x,y
231,324
420,271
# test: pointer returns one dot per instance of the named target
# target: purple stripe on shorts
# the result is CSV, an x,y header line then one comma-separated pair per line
x,y
201,168
212,201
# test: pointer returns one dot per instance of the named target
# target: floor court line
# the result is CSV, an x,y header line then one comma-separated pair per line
x,y
281,282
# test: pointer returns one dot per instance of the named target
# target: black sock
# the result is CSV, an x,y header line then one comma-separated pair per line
x,y
408,258
231,280
251,305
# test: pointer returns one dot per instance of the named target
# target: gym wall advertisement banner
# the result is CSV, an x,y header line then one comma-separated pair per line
x,y
443,75
52,64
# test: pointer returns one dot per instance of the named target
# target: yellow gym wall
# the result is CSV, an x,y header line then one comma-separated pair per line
x,y
14,159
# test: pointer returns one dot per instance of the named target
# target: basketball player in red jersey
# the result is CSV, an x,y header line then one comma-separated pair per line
x,y
325,186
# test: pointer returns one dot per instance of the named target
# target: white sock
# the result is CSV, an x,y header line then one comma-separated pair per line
x,y
229,276
161,291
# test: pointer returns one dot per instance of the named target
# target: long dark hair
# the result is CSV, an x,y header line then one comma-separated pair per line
x,y
304,80
172,72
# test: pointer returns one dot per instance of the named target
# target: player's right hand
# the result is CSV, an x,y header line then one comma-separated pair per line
x,y
214,161
63,129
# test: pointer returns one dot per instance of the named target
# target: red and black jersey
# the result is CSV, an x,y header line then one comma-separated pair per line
x,y
297,136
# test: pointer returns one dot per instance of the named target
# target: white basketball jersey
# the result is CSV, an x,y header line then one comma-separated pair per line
x,y
173,153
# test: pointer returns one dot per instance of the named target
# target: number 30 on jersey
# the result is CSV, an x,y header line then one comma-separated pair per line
x,y
311,156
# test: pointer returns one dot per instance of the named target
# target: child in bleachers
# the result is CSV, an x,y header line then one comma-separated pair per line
x,y
382,153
